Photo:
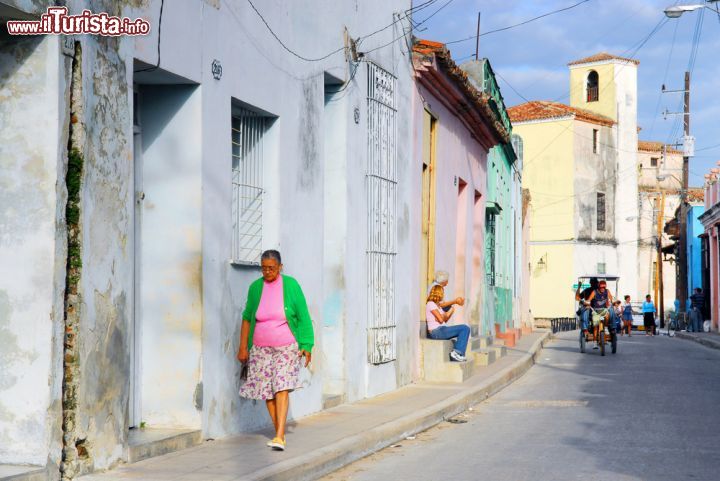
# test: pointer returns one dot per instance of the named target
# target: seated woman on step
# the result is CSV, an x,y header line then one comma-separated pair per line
x,y
436,323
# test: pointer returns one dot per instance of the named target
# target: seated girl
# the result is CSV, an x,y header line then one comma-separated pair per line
x,y
437,324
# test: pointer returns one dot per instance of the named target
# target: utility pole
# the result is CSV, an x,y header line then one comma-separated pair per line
x,y
477,39
661,215
682,290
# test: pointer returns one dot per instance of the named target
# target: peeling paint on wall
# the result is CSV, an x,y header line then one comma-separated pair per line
x,y
308,130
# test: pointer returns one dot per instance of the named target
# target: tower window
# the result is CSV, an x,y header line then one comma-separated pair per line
x,y
595,141
653,161
600,211
592,87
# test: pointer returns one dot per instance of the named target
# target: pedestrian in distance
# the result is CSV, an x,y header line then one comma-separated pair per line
x,y
437,324
276,336
649,315
617,312
697,301
441,279
627,317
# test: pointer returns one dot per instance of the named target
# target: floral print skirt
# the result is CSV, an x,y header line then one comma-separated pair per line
x,y
271,369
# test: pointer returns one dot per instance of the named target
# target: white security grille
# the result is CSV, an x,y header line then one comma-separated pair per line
x,y
382,200
248,129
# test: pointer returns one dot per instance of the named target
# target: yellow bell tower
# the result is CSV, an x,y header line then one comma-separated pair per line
x,y
607,85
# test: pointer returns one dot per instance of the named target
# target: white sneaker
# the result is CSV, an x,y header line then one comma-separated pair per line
x,y
457,357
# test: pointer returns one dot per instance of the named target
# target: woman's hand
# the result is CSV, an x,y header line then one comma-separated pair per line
x,y
460,301
243,355
306,355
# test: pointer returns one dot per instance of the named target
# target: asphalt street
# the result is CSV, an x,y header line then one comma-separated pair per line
x,y
649,412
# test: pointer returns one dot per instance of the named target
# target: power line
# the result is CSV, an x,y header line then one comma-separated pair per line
x,y
518,24
338,50
708,148
156,66
667,68
288,49
405,32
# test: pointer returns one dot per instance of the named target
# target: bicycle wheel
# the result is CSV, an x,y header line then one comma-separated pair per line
x,y
582,341
601,340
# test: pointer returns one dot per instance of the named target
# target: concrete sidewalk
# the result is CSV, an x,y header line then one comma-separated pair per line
x,y
709,339
322,443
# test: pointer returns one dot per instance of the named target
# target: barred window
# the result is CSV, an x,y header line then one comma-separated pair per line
x,y
600,211
248,129
490,248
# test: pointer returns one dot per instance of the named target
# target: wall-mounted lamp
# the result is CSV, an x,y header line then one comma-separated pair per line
x,y
543,263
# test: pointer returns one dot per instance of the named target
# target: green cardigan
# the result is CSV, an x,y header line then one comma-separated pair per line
x,y
296,311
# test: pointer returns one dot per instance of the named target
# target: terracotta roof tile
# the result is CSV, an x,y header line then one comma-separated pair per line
x,y
601,57
696,194
544,110
652,146
426,50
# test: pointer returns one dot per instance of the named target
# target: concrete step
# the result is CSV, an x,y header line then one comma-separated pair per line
x,y
332,400
483,357
500,351
150,442
483,342
14,472
436,364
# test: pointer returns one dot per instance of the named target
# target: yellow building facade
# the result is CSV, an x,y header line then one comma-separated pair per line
x,y
577,169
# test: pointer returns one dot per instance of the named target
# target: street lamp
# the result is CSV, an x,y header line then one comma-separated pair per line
x,y
676,11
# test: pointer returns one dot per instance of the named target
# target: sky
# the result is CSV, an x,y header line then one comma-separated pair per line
x,y
533,58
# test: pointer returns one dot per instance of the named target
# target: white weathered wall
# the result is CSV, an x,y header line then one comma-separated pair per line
x,y
625,75
32,247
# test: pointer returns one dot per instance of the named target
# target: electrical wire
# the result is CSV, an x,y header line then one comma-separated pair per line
x,y
405,32
288,49
156,66
667,68
338,50
547,14
708,148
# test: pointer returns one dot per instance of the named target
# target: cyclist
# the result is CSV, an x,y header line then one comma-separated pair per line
x,y
600,301
582,296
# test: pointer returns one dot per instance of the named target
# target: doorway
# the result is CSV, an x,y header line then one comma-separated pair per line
x,y
461,234
134,411
427,207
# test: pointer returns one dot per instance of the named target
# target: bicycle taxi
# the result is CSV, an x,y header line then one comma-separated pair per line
x,y
607,331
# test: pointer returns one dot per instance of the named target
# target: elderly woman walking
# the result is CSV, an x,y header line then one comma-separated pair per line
x,y
276,334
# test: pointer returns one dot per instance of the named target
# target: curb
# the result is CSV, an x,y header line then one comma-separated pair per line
x,y
700,340
330,458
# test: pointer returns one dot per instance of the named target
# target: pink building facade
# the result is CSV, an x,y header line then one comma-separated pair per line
x,y
453,131
711,222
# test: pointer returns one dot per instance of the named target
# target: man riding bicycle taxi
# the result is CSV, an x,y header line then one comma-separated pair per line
x,y
600,301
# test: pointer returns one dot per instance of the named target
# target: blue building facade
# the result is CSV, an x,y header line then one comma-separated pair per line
x,y
695,250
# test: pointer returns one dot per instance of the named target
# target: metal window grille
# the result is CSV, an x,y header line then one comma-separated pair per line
x,y
490,249
248,129
600,211
382,201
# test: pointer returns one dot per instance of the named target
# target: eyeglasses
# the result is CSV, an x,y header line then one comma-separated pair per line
x,y
269,268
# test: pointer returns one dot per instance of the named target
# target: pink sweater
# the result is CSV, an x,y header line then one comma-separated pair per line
x,y
271,327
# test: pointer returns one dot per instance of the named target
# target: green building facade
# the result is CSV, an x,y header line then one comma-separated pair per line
x,y
500,213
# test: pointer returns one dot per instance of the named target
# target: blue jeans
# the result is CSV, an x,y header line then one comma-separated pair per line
x,y
585,317
696,319
461,332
